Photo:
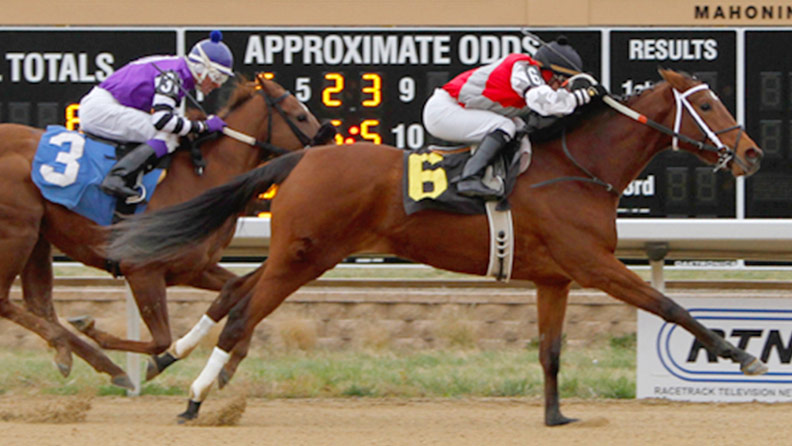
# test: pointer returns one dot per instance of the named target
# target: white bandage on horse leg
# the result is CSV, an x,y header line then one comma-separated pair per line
x,y
200,387
188,342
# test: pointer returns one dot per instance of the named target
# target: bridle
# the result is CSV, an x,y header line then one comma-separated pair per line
x,y
321,136
725,153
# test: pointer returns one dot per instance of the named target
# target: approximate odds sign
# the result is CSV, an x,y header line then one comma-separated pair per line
x,y
672,364
372,83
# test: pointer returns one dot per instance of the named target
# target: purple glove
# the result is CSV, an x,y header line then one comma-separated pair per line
x,y
214,124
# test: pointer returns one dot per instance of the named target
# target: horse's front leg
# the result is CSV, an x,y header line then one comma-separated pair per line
x,y
232,292
551,302
149,289
602,270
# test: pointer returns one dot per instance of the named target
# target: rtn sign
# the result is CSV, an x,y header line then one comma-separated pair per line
x,y
764,332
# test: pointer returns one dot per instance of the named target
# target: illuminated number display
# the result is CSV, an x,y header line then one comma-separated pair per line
x,y
768,111
676,184
372,83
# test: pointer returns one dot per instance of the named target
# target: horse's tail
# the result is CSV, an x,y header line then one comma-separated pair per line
x,y
162,234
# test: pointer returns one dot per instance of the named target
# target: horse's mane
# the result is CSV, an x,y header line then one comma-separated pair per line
x,y
243,91
583,114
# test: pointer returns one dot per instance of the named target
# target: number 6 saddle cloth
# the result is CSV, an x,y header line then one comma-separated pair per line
x,y
430,174
68,168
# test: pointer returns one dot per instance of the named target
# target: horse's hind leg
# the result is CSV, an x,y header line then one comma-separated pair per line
x,y
279,278
551,303
21,245
37,281
232,292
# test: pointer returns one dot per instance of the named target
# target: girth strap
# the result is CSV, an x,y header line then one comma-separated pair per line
x,y
501,255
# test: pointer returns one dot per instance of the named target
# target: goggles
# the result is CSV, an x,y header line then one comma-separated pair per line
x,y
211,69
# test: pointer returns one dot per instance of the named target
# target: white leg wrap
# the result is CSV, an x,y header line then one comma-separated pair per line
x,y
187,343
200,387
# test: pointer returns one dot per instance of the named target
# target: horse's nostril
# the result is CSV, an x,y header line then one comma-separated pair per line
x,y
753,154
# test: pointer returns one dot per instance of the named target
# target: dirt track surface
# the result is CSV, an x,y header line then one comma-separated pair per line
x,y
151,421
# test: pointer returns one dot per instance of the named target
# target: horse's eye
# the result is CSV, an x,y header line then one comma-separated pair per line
x,y
302,118
705,106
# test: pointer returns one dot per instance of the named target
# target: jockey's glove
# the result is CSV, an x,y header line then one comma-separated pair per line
x,y
214,124
597,91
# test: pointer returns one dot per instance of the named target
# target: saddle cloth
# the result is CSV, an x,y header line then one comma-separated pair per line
x,y
429,174
68,168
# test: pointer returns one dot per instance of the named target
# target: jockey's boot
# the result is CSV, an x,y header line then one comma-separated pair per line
x,y
126,168
470,184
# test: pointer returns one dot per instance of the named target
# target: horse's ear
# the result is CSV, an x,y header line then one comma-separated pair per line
x,y
664,72
675,78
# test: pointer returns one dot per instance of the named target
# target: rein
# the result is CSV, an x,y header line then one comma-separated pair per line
x,y
591,177
725,154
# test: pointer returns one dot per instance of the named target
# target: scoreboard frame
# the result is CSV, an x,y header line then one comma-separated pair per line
x,y
371,83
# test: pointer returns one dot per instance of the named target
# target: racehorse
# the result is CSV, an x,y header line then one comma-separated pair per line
x,y
30,225
333,202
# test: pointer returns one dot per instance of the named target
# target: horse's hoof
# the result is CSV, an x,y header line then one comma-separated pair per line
x,y
123,381
754,367
559,420
63,360
191,413
158,364
82,323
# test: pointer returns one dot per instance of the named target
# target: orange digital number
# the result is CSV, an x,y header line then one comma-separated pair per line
x,y
337,87
339,139
375,89
369,135
72,117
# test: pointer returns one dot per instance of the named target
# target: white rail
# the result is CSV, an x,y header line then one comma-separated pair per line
x,y
653,239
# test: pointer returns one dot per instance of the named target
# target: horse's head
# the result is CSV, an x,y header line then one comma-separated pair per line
x,y
706,128
274,116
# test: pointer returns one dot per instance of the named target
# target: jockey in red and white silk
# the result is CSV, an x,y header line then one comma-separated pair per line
x,y
484,104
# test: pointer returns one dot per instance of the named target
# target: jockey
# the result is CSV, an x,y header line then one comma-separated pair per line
x,y
139,103
485,104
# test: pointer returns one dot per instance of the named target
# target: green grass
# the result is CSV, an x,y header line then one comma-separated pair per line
x,y
605,370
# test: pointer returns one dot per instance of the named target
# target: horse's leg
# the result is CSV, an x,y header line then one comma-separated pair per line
x,y
148,287
239,353
232,292
551,301
37,281
603,271
212,278
18,245
279,278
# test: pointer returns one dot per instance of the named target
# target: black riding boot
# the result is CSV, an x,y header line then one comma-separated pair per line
x,y
126,168
470,184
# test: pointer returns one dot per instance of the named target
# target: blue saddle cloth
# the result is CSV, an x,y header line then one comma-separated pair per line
x,y
68,168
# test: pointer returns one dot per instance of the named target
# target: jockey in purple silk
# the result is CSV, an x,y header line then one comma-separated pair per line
x,y
139,103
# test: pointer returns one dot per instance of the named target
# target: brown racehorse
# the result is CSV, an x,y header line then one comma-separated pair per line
x,y
333,202
30,225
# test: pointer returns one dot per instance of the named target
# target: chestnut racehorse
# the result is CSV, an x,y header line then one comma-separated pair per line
x,y
333,202
30,225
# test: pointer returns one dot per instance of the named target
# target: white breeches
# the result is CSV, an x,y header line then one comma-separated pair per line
x,y
444,118
102,115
